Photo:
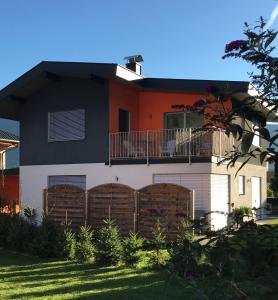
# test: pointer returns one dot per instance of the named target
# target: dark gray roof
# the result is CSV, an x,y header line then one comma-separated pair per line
x,y
7,136
192,85
16,93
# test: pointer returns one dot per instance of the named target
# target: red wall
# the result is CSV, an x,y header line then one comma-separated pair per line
x,y
153,105
146,108
122,97
9,189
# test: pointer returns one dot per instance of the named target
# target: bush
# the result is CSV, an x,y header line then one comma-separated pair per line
x,y
84,246
186,253
132,249
108,246
70,243
238,214
49,240
158,242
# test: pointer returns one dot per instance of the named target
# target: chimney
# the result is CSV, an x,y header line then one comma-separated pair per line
x,y
133,63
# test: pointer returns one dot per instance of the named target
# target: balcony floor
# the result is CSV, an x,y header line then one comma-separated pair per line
x,y
165,160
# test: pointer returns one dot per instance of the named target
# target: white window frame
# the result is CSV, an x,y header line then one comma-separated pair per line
x,y
241,185
65,139
67,181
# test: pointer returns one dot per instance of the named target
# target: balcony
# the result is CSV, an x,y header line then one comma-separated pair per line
x,y
168,145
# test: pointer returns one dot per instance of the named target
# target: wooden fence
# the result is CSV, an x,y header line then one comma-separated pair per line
x,y
132,210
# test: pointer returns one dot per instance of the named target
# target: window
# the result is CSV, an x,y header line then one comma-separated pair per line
x,y
66,125
256,138
178,120
77,180
241,185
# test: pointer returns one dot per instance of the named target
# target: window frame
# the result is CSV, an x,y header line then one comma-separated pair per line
x,y
50,140
82,175
185,118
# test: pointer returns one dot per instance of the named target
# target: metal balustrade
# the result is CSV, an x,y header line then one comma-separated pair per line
x,y
169,143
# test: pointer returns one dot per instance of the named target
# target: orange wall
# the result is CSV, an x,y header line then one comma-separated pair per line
x,y
153,105
122,97
9,188
146,108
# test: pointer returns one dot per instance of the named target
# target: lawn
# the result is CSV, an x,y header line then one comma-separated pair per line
x,y
269,221
24,277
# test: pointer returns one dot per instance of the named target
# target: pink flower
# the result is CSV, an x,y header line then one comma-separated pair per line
x,y
251,34
235,45
200,103
212,89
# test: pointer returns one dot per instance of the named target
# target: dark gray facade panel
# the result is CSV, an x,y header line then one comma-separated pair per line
x,y
67,94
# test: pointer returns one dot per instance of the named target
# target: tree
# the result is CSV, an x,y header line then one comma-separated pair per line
x,y
256,49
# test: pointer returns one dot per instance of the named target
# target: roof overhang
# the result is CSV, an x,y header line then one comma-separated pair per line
x,y
255,106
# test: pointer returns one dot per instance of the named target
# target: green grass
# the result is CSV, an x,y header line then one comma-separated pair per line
x,y
24,277
270,221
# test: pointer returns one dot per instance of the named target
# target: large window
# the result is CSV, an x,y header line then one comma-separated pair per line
x,y
77,180
178,120
66,125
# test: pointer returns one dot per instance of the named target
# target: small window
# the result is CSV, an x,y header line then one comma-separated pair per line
x,y
66,125
77,180
241,185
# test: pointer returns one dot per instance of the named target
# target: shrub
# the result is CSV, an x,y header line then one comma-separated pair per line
x,y
186,252
158,241
108,244
70,243
30,214
84,246
49,240
238,214
132,249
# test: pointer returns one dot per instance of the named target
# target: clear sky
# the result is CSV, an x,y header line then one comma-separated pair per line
x,y
177,38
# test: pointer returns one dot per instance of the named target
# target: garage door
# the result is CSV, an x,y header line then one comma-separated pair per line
x,y
200,183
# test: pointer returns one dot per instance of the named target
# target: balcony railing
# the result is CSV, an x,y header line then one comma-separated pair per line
x,y
169,143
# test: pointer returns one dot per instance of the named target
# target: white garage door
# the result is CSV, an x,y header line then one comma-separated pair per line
x,y
219,200
256,191
200,183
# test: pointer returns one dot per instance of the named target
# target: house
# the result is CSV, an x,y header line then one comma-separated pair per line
x,y
9,182
88,124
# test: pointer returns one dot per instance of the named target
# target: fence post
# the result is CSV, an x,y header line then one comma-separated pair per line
x,y
192,200
86,207
135,212
220,143
189,145
45,201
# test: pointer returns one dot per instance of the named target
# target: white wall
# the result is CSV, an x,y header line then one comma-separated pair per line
x,y
33,179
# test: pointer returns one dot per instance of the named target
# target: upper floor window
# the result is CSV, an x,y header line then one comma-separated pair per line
x,y
180,120
66,125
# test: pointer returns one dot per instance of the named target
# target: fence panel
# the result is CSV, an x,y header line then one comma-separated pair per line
x,y
112,201
65,204
167,202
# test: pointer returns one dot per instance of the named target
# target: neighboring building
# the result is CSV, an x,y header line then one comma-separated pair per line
x,y
92,123
9,183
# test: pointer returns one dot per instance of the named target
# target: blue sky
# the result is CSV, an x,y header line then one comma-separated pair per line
x,y
177,38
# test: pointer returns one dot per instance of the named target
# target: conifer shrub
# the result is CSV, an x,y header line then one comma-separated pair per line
x,y
84,245
132,249
108,245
